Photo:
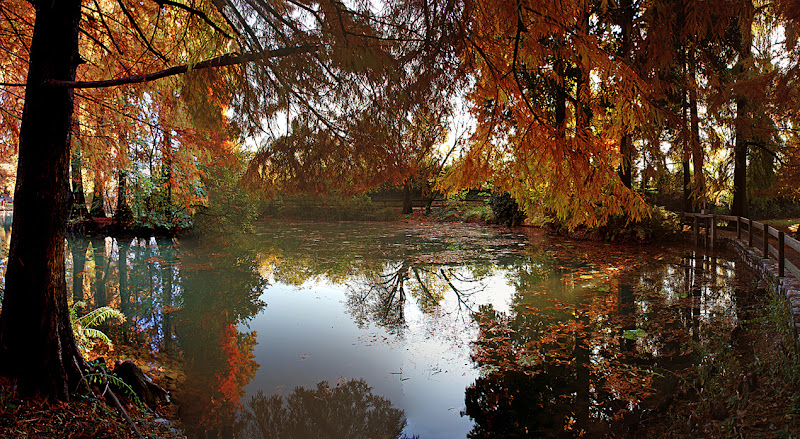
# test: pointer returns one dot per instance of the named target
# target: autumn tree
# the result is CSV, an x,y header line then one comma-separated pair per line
x,y
326,59
546,131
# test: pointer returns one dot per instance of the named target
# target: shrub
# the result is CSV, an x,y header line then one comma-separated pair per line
x,y
506,210
478,214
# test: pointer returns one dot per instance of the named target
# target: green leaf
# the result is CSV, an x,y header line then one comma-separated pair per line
x,y
634,334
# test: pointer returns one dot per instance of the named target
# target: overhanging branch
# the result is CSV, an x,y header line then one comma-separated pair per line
x,y
228,59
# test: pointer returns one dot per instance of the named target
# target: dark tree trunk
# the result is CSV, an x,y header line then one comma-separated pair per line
x,y
687,183
743,121
407,204
98,200
697,151
626,167
560,110
37,346
428,196
626,141
166,172
739,205
583,89
79,211
123,215
687,178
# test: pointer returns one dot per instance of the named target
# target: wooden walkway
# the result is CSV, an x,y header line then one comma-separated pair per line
x,y
770,252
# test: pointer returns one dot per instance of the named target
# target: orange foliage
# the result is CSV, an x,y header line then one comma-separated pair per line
x,y
112,123
239,368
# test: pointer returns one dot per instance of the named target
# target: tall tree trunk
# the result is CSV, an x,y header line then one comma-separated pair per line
x,y
37,346
739,205
626,141
123,215
98,199
166,173
626,167
687,182
79,210
408,206
743,119
697,151
582,87
561,102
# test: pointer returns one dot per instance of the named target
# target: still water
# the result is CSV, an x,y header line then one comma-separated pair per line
x,y
384,330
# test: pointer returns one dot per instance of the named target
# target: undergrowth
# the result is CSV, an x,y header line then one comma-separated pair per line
x,y
329,208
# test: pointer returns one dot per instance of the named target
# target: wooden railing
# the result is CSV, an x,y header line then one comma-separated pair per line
x,y
757,234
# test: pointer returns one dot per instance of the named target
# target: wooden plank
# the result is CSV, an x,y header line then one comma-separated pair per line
x,y
793,243
773,251
758,226
773,231
727,218
793,269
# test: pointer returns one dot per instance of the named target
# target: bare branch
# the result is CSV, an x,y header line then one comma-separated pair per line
x,y
196,12
136,27
228,59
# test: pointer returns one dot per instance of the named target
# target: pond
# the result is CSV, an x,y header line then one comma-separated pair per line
x,y
428,330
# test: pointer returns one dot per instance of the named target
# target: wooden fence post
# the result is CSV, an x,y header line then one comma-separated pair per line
x,y
766,241
781,263
750,232
738,227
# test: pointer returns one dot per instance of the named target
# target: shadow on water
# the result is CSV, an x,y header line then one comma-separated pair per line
x,y
467,331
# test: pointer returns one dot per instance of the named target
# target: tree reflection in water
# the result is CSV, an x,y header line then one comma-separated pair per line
x,y
346,410
563,368
381,297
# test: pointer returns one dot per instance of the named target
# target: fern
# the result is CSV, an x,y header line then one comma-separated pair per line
x,y
99,378
82,327
97,334
99,316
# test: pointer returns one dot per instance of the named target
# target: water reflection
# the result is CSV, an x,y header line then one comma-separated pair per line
x,y
555,367
467,331
347,410
380,298
176,301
